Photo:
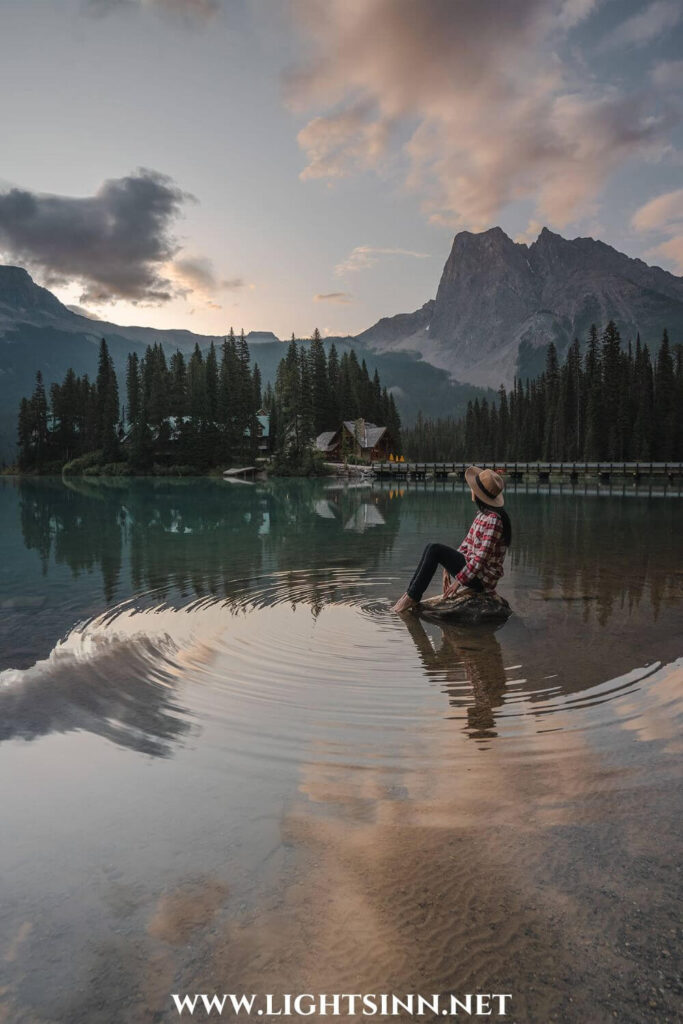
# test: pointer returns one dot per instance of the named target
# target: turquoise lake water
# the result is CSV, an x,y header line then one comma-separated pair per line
x,y
227,766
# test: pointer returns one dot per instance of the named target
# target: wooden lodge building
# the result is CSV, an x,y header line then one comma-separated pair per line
x,y
357,438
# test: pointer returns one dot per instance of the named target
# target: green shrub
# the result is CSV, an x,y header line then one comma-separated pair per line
x,y
82,463
311,463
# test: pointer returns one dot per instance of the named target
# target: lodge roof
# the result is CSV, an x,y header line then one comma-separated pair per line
x,y
323,442
366,434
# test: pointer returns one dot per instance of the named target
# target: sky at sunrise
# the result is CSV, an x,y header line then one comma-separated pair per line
x,y
285,164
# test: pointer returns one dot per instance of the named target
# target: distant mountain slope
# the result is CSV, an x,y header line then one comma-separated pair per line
x,y
37,332
500,303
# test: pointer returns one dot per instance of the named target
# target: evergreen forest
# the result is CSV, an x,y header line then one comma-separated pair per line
x,y
189,415
609,403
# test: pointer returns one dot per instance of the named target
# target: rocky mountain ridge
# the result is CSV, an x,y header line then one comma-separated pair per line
x,y
500,303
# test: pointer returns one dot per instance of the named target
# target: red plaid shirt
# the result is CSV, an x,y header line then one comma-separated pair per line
x,y
484,551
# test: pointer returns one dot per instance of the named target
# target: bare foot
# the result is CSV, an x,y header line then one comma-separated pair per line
x,y
404,604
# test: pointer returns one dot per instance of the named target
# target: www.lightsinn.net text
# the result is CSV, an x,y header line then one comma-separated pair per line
x,y
306,1004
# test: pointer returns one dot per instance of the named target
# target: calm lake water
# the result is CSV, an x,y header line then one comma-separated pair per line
x,y
226,766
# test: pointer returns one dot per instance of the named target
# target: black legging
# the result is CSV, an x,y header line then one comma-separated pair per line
x,y
432,556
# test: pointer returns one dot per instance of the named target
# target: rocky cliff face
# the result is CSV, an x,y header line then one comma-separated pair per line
x,y
19,294
400,327
500,303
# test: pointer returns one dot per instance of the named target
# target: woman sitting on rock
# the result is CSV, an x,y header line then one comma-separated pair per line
x,y
477,565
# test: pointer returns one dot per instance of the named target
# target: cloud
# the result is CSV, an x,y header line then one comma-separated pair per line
x,y
336,146
342,297
668,74
196,273
365,256
531,232
660,213
670,251
478,104
190,10
116,244
663,215
83,312
645,26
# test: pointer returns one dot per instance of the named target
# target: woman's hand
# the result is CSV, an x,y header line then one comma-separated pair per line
x,y
452,590
446,582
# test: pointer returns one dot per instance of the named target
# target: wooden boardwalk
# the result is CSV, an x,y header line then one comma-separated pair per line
x,y
539,471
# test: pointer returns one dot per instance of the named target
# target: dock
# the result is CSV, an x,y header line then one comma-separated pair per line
x,y
540,472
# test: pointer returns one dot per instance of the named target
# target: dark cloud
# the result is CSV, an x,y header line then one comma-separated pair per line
x,y
117,244
198,274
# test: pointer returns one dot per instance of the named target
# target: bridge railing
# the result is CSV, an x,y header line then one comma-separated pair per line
x,y
415,467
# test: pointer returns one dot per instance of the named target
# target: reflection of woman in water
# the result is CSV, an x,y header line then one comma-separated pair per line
x,y
466,654
478,563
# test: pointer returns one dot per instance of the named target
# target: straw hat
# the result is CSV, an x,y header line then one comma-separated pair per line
x,y
486,485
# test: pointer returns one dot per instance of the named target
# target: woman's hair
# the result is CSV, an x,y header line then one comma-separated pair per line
x,y
507,525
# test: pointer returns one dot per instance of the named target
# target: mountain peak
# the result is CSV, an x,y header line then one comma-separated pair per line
x,y
546,235
492,237
500,303
19,291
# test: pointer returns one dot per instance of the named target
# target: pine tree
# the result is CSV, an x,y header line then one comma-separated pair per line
x,y
287,395
133,387
256,386
665,403
107,405
305,399
333,381
320,392
678,409
158,388
393,425
211,375
177,397
551,380
611,382
246,424
227,377
593,435
141,452
503,430
39,415
196,386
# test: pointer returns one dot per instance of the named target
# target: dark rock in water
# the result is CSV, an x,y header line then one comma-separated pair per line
x,y
468,609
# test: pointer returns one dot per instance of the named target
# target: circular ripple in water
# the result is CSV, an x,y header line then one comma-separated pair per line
x,y
299,666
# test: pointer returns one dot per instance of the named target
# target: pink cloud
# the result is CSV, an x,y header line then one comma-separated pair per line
x,y
486,110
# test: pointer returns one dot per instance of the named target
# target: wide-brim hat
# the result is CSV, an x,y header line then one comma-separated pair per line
x,y
487,485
